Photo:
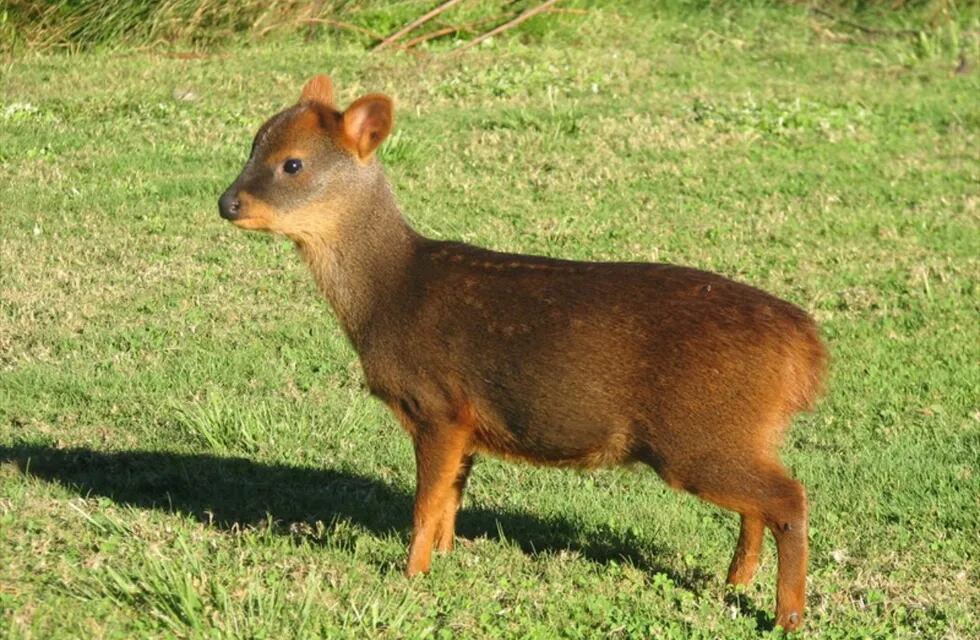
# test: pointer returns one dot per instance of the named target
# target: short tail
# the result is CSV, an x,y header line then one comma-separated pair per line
x,y
811,362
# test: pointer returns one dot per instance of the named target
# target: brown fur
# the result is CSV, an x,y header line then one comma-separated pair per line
x,y
318,90
550,361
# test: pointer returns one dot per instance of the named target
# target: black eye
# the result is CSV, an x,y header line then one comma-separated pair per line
x,y
293,165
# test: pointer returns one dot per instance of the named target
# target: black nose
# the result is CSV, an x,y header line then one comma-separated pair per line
x,y
230,206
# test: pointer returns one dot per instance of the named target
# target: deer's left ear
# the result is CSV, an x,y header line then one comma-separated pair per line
x,y
319,88
366,123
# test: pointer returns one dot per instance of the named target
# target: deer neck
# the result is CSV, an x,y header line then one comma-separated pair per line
x,y
364,259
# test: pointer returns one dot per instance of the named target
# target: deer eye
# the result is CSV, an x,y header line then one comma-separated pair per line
x,y
293,165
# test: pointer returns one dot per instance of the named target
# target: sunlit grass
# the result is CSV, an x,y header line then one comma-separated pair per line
x,y
186,447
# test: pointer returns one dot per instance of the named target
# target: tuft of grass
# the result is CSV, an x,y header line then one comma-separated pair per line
x,y
223,427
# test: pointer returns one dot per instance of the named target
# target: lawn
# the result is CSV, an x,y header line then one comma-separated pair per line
x,y
186,445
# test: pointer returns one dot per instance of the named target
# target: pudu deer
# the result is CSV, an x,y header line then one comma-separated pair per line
x,y
550,361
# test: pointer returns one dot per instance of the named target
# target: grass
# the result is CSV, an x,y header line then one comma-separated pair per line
x,y
186,449
74,25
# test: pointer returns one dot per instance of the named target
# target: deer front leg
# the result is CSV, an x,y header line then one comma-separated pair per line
x,y
440,454
446,531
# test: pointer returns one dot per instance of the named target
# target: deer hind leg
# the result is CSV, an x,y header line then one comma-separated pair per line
x,y
446,531
764,494
746,558
786,517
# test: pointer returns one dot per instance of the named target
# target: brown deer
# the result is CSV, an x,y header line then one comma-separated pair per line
x,y
550,361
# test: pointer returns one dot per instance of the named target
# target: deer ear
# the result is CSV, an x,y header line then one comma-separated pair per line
x,y
319,88
366,123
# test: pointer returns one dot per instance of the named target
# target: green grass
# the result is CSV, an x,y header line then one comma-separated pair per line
x,y
76,25
186,449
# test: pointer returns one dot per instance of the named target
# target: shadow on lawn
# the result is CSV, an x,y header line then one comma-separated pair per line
x,y
229,492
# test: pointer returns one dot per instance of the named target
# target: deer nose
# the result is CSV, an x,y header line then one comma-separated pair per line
x,y
230,206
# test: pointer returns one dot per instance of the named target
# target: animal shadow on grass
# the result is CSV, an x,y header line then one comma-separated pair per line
x,y
236,492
